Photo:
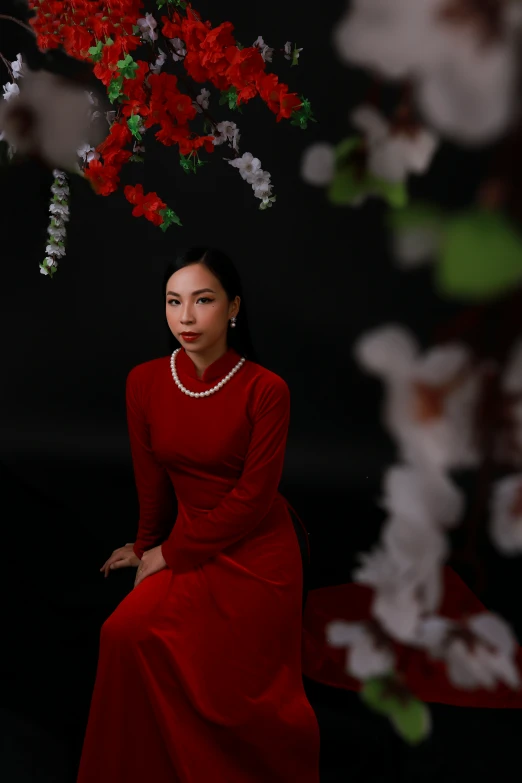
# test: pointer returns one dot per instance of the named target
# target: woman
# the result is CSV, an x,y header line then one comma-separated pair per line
x,y
199,676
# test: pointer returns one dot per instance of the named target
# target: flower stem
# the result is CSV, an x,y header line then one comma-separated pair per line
x,y
18,21
7,65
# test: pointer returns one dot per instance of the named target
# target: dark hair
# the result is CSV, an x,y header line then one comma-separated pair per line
x,y
223,268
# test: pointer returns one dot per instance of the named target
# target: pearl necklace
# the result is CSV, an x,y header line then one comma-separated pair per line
x,y
209,391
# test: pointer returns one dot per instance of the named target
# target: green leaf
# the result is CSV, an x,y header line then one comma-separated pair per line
x,y
135,29
303,115
96,52
412,721
349,188
387,696
417,214
136,159
127,67
346,147
114,89
373,694
229,96
133,124
481,256
169,217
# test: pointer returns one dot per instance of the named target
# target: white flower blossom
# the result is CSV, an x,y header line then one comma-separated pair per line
x,y
506,515
50,118
265,50
87,153
430,399
227,131
201,101
18,67
422,494
318,164
366,655
392,152
159,62
10,91
251,171
59,209
147,25
179,49
405,571
247,165
479,652
465,80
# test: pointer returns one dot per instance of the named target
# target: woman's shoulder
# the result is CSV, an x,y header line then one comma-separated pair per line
x,y
148,371
267,382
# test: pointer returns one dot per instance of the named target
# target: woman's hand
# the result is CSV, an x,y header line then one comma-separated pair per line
x,y
121,558
151,562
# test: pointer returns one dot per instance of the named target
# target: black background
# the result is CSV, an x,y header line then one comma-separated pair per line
x,y
315,278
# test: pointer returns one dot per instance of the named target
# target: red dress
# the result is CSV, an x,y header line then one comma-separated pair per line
x,y
199,671
199,674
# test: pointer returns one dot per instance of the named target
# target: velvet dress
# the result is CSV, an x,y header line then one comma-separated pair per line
x,y
199,674
200,666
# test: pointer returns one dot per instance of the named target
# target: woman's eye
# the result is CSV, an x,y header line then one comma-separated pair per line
x,y
206,298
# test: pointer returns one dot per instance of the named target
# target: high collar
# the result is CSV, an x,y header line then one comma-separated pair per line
x,y
214,372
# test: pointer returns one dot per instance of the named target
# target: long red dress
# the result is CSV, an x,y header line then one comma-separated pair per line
x,y
199,674
199,671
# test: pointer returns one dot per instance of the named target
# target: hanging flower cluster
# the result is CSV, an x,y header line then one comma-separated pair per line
x,y
146,97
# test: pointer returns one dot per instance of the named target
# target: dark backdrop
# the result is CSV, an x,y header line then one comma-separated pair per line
x,y
315,277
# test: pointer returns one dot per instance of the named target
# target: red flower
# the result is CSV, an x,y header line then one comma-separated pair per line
x,y
277,97
147,206
104,179
245,67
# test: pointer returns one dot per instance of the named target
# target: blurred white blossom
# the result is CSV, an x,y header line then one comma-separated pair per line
x,y
423,494
10,90
318,164
463,64
50,118
367,654
506,515
430,398
394,151
478,652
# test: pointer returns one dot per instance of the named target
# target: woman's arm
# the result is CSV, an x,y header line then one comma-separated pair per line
x,y
200,538
155,491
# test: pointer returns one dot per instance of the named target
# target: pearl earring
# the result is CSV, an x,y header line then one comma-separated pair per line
x,y
233,321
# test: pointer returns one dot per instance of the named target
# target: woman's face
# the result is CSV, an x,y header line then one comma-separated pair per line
x,y
197,302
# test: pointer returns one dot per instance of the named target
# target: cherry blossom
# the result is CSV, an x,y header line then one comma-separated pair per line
x,y
463,63
430,398
50,118
394,151
147,25
423,494
318,164
404,570
506,515
265,50
479,652
368,654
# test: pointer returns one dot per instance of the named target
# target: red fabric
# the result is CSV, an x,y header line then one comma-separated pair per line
x,y
426,677
199,675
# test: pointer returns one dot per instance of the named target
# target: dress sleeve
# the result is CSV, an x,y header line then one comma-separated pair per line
x,y
153,485
199,538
